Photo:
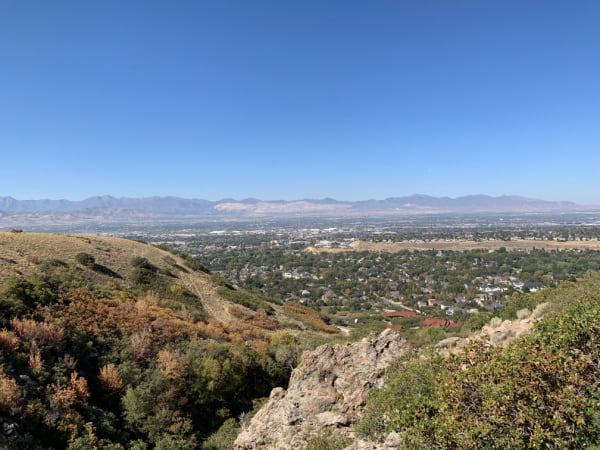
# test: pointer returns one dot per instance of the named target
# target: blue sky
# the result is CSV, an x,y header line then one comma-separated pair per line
x,y
300,99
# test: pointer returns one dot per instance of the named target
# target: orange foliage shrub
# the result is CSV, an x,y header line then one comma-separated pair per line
x,y
10,394
80,386
97,315
213,329
110,379
139,343
262,320
35,356
261,347
65,396
45,332
171,364
8,341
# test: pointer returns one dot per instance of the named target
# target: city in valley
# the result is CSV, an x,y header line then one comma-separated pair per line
x,y
360,271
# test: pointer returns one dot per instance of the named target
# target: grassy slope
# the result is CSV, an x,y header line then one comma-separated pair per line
x,y
20,254
91,356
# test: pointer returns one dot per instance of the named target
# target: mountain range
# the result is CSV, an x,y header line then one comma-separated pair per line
x,y
108,209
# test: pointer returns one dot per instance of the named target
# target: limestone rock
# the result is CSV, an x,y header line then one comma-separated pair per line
x,y
326,393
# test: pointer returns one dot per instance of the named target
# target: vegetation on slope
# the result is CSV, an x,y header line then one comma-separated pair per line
x,y
541,392
100,349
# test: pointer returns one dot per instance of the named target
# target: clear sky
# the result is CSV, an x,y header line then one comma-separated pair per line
x,y
281,99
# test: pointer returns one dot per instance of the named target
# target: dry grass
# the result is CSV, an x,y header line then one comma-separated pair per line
x,y
21,252
516,245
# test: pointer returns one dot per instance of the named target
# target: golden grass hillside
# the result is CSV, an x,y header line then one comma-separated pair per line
x,y
21,254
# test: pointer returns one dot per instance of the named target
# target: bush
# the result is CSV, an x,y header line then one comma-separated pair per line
x,y
540,392
142,263
245,298
223,439
309,317
85,259
407,398
475,322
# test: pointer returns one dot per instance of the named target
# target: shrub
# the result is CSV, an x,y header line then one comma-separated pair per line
x,y
29,292
142,263
10,394
110,379
85,259
309,317
245,298
53,263
523,314
539,392
223,439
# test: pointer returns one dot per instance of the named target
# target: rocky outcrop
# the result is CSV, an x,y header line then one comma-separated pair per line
x,y
326,394
501,333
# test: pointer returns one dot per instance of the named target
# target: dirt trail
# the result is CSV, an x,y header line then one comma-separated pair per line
x,y
214,305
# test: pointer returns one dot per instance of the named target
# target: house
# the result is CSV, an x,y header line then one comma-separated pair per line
x,y
534,286
518,284
444,305
460,301
433,302
454,310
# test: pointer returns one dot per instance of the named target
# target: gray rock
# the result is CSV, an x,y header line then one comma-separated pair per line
x,y
326,392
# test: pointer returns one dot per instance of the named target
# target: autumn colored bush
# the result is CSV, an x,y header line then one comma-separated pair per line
x,y
8,341
11,396
110,379
45,332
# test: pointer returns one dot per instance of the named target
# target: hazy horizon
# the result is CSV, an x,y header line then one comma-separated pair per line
x,y
251,197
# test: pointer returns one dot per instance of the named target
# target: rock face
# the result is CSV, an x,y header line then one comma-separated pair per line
x,y
501,334
326,393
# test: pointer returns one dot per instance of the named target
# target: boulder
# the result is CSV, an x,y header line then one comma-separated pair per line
x,y
326,394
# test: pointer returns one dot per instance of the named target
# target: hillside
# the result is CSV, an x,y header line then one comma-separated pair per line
x,y
22,253
531,381
109,343
116,344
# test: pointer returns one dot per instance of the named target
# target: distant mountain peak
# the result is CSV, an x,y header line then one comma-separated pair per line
x,y
109,209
